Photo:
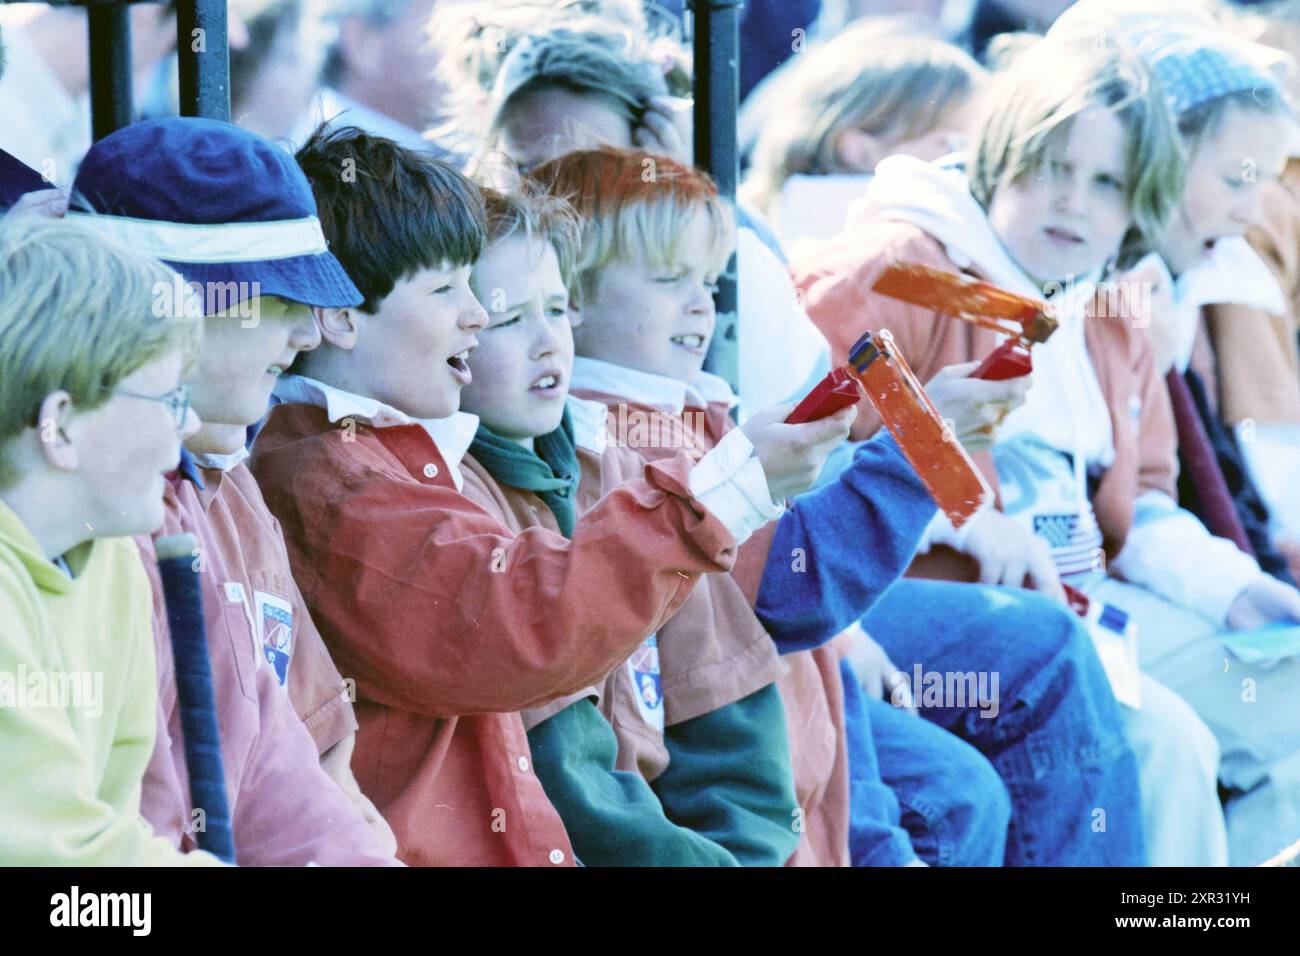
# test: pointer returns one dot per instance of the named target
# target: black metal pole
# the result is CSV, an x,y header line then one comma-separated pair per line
x,y
203,58
111,105
716,39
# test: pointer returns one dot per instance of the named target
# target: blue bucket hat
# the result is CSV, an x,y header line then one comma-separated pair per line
x,y
216,203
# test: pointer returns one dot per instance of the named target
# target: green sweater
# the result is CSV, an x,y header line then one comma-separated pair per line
x,y
78,705
612,817
729,778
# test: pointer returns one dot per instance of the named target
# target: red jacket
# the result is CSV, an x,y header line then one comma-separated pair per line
x,y
451,625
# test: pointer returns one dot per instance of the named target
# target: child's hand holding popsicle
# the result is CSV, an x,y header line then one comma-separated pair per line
x,y
974,408
793,455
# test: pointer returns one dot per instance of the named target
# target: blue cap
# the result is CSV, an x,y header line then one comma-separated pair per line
x,y
218,204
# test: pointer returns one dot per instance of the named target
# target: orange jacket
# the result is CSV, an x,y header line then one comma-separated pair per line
x,y
811,688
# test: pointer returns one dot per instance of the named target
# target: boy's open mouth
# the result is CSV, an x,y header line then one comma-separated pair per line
x,y
460,366
692,341
548,384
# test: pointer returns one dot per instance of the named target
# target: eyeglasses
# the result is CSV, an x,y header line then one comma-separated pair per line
x,y
177,402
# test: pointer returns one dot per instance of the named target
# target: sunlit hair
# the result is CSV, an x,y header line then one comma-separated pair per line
x,y
608,49
79,313
1144,24
1032,103
635,206
880,76
473,36
530,212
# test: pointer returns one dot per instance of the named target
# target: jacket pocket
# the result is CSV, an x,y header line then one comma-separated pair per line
x,y
231,649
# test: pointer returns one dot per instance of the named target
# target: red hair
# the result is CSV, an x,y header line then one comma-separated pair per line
x,y
634,205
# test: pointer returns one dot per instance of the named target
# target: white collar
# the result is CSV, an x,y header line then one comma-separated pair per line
x,y
223,463
452,435
1232,272
936,198
647,388
589,424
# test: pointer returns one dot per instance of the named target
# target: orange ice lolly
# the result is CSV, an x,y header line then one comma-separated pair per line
x,y
938,458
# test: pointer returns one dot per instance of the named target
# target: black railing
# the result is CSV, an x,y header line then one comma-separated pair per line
x,y
716,38
202,53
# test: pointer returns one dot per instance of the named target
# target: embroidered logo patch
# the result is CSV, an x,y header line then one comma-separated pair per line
x,y
643,666
275,632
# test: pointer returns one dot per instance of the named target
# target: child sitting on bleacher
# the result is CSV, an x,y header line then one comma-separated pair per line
x,y
644,315
1077,162
93,416
449,621
232,211
692,719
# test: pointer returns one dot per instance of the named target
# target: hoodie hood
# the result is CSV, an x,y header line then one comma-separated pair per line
x,y
936,198
18,544
1232,273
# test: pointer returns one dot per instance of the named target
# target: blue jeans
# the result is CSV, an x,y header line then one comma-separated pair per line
x,y
1015,675
916,791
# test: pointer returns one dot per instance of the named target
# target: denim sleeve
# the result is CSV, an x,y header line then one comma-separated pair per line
x,y
613,817
729,779
838,547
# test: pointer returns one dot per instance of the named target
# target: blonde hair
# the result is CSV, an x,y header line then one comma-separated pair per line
x,y
881,76
528,211
79,313
1035,99
635,206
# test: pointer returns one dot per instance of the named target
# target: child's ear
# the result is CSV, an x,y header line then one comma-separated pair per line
x,y
858,151
56,446
338,327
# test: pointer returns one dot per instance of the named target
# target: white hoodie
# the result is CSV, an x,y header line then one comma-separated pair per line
x,y
1168,550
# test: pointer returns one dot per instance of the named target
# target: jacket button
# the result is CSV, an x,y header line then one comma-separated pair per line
x,y
523,764
557,857
431,470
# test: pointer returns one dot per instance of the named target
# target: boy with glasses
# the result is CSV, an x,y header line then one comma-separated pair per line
x,y
82,461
